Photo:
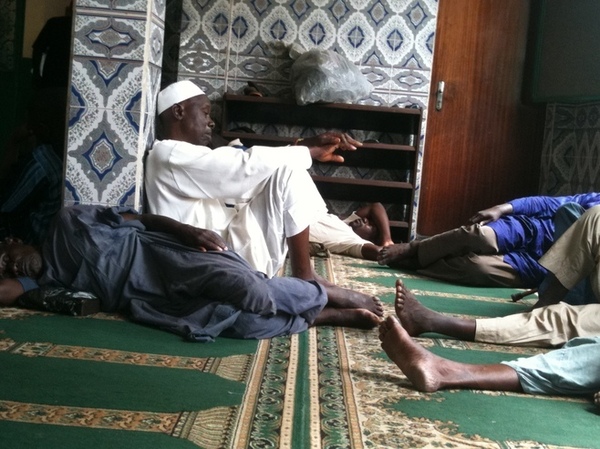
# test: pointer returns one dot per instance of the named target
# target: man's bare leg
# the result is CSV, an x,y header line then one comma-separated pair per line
x,y
551,291
338,297
397,253
358,318
418,319
429,372
299,253
597,399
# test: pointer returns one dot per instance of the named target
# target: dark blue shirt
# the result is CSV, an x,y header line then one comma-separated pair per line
x,y
528,233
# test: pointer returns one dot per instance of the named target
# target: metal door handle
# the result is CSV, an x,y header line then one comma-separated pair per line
x,y
439,95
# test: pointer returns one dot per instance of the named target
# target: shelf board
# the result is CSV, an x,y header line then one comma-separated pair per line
x,y
340,106
398,224
277,111
362,182
244,136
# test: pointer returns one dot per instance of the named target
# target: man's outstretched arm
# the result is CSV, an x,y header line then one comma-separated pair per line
x,y
486,216
201,239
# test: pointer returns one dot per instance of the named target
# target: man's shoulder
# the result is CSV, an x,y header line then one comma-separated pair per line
x,y
163,144
160,151
172,153
168,146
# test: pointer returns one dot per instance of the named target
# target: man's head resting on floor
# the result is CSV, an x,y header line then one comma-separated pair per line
x,y
366,230
184,112
18,259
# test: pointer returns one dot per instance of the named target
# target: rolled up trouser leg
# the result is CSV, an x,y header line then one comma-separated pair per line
x,y
542,327
571,370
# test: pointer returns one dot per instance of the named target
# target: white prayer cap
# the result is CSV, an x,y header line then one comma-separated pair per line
x,y
176,93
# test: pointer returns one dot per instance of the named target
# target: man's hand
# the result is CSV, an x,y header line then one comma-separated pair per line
x,y
201,239
486,216
323,146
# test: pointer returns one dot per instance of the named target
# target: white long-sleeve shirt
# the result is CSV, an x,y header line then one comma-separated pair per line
x,y
254,199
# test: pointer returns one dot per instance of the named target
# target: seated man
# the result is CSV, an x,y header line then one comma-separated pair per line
x,y
500,249
260,201
174,276
362,234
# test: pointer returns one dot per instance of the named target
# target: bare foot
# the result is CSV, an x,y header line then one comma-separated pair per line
x,y
420,366
358,318
429,372
395,253
414,316
418,319
344,298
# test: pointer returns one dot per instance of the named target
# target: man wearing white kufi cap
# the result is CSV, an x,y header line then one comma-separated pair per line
x,y
260,201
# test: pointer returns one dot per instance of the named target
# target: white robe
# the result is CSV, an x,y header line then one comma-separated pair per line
x,y
337,236
254,199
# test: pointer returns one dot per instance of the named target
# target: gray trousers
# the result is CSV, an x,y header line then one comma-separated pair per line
x,y
466,255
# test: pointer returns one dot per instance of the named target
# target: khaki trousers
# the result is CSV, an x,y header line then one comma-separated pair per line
x,y
576,254
544,327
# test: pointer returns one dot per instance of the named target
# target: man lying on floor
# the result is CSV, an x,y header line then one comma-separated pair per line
x,y
174,276
572,369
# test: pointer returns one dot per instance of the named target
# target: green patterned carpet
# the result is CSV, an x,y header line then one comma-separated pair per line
x,y
100,382
395,415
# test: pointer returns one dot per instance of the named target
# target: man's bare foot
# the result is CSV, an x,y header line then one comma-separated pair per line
x,y
343,298
420,366
396,253
429,372
357,318
414,316
418,319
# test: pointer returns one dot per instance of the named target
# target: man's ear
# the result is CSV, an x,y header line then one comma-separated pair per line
x,y
177,110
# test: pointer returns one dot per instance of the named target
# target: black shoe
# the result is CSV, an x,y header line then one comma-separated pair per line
x,y
60,300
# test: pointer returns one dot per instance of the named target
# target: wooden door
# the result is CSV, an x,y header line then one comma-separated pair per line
x,y
483,147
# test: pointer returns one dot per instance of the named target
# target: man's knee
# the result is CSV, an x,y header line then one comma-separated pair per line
x,y
289,184
591,219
